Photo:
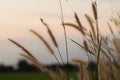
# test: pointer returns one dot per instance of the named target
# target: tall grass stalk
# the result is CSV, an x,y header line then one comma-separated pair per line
x,y
53,39
98,58
65,34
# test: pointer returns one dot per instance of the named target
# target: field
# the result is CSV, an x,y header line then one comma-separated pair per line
x,y
27,76
24,76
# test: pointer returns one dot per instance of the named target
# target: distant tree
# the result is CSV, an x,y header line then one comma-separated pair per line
x,y
6,68
66,67
70,67
24,66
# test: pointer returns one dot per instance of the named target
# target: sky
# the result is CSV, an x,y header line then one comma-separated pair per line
x,y
18,16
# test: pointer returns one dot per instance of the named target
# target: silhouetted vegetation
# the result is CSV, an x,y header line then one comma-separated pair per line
x,y
66,67
24,66
4,68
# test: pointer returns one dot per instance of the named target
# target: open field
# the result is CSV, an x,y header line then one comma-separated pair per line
x,y
27,76
24,76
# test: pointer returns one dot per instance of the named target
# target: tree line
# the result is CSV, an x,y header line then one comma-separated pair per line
x,y
24,66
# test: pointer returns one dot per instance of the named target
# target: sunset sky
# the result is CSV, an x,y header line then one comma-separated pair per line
x,y
18,16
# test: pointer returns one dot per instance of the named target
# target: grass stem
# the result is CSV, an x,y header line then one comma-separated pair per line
x,y
65,34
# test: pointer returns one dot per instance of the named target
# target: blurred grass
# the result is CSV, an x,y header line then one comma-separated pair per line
x,y
29,76
24,76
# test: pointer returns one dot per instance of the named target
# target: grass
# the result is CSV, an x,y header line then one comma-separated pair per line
x,y
94,45
29,76
24,76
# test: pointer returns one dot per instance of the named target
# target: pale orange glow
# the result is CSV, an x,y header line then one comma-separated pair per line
x,y
18,16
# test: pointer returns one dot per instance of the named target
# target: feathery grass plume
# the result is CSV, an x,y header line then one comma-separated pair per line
x,y
53,38
82,74
23,48
110,28
118,14
106,76
104,71
117,46
33,59
103,51
50,33
118,18
40,66
46,44
115,21
105,39
72,25
43,22
94,8
90,20
109,49
78,20
29,56
116,74
43,40
91,36
79,23
91,42
35,62
75,26
86,46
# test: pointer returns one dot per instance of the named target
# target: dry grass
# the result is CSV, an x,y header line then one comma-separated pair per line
x,y
50,33
94,44
43,40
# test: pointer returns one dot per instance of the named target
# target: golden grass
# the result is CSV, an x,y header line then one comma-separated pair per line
x,y
94,7
107,66
79,23
43,40
90,20
23,48
50,33
53,39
